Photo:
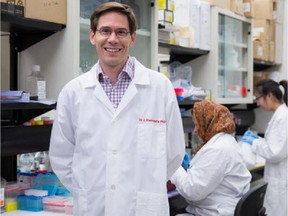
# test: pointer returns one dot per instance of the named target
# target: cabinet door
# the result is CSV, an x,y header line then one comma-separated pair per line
x,y
144,47
234,57
233,68
228,68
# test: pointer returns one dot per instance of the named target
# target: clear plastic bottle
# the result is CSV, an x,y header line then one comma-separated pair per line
x,y
2,195
36,84
41,161
26,162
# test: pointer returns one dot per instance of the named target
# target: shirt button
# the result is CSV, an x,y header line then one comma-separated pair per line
x,y
113,187
114,151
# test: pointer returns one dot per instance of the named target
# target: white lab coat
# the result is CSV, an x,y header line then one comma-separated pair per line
x,y
216,179
274,149
117,162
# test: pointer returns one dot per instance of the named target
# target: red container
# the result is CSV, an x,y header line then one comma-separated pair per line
x,y
179,91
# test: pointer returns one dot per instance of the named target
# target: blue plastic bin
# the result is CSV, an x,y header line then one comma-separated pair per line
x,y
29,203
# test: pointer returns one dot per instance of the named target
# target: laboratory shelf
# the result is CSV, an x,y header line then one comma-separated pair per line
x,y
16,138
18,113
257,172
259,65
187,103
28,31
180,53
21,139
24,139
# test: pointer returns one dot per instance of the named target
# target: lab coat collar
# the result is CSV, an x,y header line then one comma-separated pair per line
x,y
141,76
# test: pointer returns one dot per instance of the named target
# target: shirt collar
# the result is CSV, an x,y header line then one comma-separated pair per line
x,y
129,69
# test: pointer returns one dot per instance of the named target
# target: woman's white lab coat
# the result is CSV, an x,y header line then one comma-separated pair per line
x,y
274,149
216,179
117,162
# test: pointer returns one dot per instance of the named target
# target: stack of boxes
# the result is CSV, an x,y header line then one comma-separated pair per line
x,y
233,5
264,30
266,22
165,13
191,24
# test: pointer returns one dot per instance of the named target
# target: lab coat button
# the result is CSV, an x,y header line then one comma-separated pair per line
x,y
114,151
113,187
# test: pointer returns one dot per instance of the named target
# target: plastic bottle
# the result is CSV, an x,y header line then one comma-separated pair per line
x,y
2,195
26,162
41,161
36,84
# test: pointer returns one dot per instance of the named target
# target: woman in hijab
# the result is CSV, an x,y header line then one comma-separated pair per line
x,y
217,176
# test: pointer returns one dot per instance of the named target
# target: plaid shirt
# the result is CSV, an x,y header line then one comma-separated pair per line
x,y
115,91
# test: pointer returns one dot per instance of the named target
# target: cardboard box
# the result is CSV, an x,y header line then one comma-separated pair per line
x,y
263,26
273,30
236,6
271,54
220,3
257,49
279,41
249,8
48,10
260,50
15,7
257,77
264,9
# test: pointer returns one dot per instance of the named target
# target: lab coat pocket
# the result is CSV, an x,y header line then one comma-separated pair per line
x,y
151,140
152,204
80,197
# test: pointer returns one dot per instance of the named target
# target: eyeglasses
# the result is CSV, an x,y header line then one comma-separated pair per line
x,y
257,98
106,32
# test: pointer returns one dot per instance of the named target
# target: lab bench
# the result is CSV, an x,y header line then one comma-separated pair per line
x,y
30,213
257,172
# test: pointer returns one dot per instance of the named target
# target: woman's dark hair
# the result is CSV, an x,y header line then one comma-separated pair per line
x,y
114,7
264,87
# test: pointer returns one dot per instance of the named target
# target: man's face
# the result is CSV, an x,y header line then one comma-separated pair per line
x,y
113,49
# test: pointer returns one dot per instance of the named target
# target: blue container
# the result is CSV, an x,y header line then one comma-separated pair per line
x,y
29,203
180,98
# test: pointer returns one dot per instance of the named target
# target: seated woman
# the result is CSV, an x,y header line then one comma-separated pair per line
x,y
217,176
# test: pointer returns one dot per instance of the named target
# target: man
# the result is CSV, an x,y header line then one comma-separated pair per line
x,y
117,136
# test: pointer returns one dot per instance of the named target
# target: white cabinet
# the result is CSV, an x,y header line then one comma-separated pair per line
x,y
66,54
228,69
